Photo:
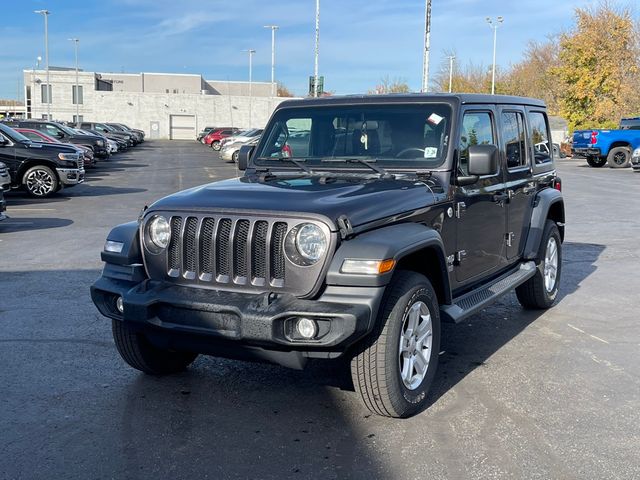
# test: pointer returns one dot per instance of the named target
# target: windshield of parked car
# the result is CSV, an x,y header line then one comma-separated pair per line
x,y
395,136
13,135
67,130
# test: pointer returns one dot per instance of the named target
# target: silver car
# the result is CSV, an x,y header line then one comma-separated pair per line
x,y
229,152
5,178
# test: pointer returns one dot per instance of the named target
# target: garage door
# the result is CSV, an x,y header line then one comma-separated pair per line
x,y
183,127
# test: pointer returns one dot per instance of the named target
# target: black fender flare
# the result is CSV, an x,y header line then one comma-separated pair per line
x,y
544,202
128,235
396,242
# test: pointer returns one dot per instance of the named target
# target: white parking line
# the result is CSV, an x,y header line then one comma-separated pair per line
x,y
592,336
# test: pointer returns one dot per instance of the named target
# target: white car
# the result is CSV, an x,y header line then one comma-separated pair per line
x,y
243,136
112,145
229,152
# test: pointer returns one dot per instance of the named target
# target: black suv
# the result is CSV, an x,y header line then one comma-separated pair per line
x,y
360,223
41,169
65,135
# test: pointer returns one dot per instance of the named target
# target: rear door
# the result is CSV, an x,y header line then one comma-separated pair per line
x,y
519,187
481,222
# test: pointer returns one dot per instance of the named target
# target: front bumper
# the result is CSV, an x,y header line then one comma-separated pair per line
x,y
635,163
226,155
70,176
586,152
343,314
101,151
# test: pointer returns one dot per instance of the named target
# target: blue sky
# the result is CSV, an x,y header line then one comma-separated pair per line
x,y
361,41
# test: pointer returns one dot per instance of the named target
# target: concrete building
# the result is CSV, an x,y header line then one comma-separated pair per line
x,y
164,105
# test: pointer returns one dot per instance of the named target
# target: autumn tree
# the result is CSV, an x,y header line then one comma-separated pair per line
x,y
388,85
598,68
283,91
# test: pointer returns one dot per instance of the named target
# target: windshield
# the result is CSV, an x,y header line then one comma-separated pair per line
x,y
67,130
13,135
396,136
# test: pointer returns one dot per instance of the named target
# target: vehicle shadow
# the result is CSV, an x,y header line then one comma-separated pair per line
x,y
468,345
88,190
18,224
20,197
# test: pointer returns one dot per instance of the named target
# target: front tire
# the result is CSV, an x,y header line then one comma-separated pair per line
x,y
235,156
138,352
619,157
215,145
541,290
395,367
596,162
40,181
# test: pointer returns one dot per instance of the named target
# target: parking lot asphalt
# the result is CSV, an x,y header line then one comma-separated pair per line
x,y
519,394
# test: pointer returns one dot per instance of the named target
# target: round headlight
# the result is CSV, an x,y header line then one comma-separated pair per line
x,y
160,231
311,242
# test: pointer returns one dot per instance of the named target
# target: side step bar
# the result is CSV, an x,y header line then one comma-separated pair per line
x,y
474,301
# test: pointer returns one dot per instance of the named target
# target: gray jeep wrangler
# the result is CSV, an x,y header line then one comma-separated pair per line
x,y
359,224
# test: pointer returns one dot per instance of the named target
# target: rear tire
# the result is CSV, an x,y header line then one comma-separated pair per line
x,y
138,352
541,290
596,162
396,364
235,155
619,157
215,145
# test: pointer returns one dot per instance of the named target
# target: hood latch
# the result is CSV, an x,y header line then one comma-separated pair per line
x,y
344,224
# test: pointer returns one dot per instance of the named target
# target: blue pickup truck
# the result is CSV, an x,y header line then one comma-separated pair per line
x,y
613,147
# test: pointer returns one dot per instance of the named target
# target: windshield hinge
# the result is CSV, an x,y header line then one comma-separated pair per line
x,y
424,174
344,224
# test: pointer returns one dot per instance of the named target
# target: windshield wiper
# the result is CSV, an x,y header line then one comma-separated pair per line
x,y
368,163
297,161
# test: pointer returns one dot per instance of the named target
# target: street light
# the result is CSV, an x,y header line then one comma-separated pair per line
x,y
273,57
46,14
317,50
250,51
427,46
451,58
75,42
494,24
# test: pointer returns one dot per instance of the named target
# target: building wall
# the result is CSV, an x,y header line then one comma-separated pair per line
x,y
139,109
258,89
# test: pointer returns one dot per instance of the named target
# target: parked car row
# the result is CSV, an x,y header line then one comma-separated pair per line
x,y
228,140
43,157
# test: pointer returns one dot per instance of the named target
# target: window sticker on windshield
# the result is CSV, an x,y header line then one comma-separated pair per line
x,y
435,119
430,152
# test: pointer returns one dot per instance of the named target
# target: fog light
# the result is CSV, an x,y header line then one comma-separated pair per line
x,y
307,328
119,305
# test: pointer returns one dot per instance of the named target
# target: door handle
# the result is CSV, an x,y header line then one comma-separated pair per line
x,y
501,197
529,189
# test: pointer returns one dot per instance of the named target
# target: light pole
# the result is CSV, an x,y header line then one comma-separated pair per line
x,y
273,57
317,50
250,51
75,44
494,24
427,46
450,57
46,13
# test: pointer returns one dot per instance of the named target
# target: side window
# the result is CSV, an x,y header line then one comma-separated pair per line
x,y
513,136
477,129
52,130
540,137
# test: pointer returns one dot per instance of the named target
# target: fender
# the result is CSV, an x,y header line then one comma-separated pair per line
x,y
396,241
544,202
126,233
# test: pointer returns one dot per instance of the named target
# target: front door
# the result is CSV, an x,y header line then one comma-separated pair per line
x,y
481,216
520,189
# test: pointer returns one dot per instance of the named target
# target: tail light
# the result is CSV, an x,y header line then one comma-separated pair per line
x,y
557,184
594,137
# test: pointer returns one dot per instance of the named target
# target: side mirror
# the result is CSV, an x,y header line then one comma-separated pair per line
x,y
243,156
483,160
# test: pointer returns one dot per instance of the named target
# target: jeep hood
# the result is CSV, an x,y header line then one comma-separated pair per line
x,y
361,199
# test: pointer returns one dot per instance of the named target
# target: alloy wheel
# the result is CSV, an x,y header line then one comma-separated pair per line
x,y
551,265
40,183
416,337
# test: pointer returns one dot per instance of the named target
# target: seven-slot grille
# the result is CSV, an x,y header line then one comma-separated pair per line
x,y
227,250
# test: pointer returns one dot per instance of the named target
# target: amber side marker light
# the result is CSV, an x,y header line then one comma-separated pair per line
x,y
367,267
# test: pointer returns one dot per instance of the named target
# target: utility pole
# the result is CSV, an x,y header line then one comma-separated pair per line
x,y
250,51
48,88
317,50
427,46
450,57
75,42
273,58
494,24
